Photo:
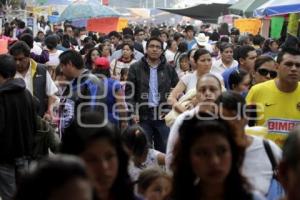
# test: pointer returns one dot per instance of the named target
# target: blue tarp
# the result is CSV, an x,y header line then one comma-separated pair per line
x,y
278,7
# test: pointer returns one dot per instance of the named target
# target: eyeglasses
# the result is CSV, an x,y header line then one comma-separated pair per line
x,y
154,46
265,72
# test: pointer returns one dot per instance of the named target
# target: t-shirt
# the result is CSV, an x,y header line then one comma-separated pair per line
x,y
190,81
257,167
54,58
151,161
226,75
278,111
113,86
218,67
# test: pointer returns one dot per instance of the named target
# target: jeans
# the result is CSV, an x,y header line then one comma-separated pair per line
x,y
157,132
7,181
10,176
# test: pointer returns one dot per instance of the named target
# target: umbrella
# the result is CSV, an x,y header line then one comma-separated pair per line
x,y
278,7
204,12
86,10
246,7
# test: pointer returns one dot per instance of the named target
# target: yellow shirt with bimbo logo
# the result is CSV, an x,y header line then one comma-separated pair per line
x,y
278,111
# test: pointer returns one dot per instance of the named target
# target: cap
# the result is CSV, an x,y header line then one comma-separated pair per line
x,y
102,63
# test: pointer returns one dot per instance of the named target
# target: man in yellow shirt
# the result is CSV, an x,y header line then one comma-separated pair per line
x,y
278,101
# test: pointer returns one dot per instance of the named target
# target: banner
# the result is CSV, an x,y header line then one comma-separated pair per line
x,y
248,25
276,27
293,24
106,25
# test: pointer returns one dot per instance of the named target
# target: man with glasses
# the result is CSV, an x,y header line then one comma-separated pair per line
x,y
37,78
149,83
278,101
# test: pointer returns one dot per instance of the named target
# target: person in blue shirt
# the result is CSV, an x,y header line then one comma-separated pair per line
x,y
246,58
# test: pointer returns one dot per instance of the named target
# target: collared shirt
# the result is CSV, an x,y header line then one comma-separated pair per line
x,y
51,88
27,78
218,66
153,88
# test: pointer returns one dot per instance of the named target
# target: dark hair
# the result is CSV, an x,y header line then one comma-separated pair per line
x,y
236,77
50,175
266,45
236,186
88,60
224,39
156,39
87,47
135,139
51,42
127,31
177,35
224,46
7,66
290,150
261,60
77,139
199,53
189,28
72,56
131,47
243,52
155,33
28,38
258,40
233,101
101,46
138,30
234,31
148,176
182,47
123,72
169,43
115,34
284,51
128,36
164,32
214,36
19,47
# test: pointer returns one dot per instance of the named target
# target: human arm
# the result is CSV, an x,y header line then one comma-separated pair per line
x,y
175,95
42,58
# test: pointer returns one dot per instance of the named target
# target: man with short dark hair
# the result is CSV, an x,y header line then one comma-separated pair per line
x,y
17,125
278,100
85,91
150,81
246,59
37,78
190,36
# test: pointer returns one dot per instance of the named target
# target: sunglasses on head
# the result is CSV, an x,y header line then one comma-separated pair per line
x,y
265,72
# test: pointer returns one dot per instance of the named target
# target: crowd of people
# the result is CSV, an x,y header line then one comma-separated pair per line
x,y
154,113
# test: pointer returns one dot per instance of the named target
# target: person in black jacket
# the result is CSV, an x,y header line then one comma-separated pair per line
x,y
17,125
149,83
